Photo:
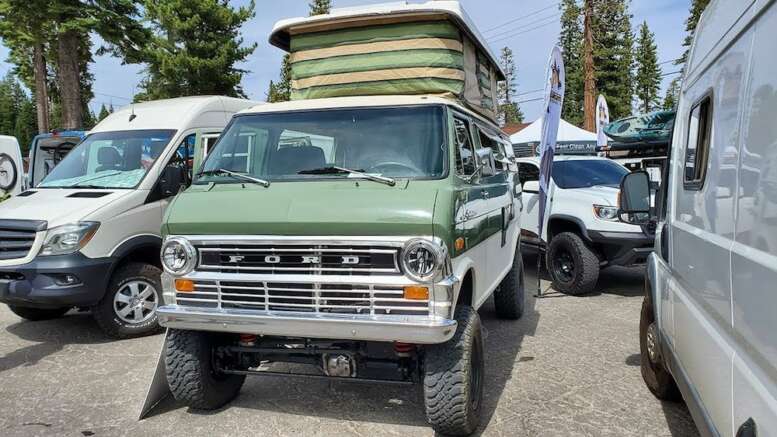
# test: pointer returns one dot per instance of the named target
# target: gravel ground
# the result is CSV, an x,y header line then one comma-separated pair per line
x,y
570,367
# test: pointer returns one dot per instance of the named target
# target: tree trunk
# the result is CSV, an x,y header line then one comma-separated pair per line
x,y
589,99
69,80
41,92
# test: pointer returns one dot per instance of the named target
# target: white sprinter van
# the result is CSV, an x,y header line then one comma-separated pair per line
x,y
88,236
709,320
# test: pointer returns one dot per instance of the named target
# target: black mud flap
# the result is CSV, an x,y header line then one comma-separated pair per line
x,y
159,390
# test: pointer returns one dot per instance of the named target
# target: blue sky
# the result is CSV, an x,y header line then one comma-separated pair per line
x,y
530,40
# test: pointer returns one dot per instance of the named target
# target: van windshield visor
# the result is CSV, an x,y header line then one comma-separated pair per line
x,y
109,160
585,173
379,144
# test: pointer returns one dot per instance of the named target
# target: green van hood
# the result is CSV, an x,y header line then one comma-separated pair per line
x,y
304,208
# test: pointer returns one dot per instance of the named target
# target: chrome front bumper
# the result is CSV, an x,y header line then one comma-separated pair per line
x,y
406,329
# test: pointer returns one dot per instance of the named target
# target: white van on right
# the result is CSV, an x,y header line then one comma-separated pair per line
x,y
709,320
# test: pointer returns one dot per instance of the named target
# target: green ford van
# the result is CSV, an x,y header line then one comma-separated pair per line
x,y
349,233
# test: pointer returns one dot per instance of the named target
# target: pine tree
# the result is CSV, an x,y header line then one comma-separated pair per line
x,y
648,77
570,41
613,58
103,113
26,125
508,110
320,7
697,7
281,91
195,48
672,95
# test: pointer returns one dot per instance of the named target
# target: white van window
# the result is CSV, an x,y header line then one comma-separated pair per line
x,y
697,150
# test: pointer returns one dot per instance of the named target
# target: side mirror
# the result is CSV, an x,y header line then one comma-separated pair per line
x,y
486,161
172,180
531,187
635,199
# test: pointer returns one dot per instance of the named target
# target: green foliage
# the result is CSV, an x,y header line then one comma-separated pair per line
x,y
570,42
648,77
17,112
104,112
672,95
613,55
195,48
320,7
697,7
508,111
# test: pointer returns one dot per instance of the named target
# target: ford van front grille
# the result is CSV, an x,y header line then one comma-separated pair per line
x,y
298,259
302,297
17,237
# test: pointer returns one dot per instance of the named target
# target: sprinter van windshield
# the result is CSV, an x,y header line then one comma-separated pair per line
x,y
407,142
109,160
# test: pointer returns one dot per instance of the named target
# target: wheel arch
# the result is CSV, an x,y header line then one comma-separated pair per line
x,y
558,223
141,248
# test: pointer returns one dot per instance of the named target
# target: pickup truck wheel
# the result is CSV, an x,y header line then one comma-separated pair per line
x,y
573,266
191,375
454,377
36,314
509,297
128,308
656,377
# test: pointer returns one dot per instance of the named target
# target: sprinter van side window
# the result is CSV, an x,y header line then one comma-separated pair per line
x,y
698,148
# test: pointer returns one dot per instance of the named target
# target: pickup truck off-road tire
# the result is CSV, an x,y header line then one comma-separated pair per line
x,y
573,266
191,374
36,314
656,377
509,298
128,308
454,378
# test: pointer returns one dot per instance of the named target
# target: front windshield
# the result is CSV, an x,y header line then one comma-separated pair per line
x,y
406,142
109,160
587,173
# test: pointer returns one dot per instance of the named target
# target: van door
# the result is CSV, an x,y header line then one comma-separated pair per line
x,y
702,225
754,254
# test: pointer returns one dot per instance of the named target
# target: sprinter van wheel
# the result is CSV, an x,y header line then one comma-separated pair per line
x,y
36,314
657,378
191,373
453,378
573,267
509,297
128,308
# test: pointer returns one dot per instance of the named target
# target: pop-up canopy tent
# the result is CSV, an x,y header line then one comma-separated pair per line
x,y
571,140
397,48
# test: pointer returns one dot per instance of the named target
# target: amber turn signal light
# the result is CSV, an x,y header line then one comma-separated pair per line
x,y
459,243
414,292
184,285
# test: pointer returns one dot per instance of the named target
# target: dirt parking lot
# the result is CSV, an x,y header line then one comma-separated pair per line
x,y
570,367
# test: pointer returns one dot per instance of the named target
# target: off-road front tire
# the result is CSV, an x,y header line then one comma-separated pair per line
x,y
131,283
454,378
509,298
37,314
573,266
191,373
658,380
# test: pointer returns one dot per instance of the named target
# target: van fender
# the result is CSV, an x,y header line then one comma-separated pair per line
x,y
461,265
135,242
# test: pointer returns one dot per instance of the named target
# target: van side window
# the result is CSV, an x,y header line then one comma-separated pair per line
x,y
496,147
465,154
528,172
698,147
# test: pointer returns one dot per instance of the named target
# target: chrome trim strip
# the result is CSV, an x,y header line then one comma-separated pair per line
x,y
332,240
406,329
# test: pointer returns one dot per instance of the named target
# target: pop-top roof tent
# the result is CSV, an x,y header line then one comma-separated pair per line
x,y
570,140
389,49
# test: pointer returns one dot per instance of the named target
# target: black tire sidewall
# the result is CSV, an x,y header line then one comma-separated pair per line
x,y
510,296
105,314
658,380
15,177
586,264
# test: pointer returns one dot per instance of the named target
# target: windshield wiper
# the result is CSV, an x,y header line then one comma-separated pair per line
x,y
236,175
359,173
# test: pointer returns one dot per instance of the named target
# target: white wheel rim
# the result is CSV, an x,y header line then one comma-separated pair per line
x,y
135,302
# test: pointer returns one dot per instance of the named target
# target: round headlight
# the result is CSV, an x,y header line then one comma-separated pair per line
x,y
178,256
422,260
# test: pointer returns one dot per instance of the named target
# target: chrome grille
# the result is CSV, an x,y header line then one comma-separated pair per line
x,y
298,259
302,297
17,237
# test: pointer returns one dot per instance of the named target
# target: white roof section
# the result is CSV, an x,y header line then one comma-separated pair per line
x,y
566,132
279,36
7,140
179,113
